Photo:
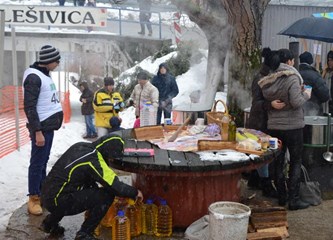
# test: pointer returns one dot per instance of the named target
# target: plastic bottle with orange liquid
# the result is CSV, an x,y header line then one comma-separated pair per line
x,y
149,218
121,227
134,215
164,220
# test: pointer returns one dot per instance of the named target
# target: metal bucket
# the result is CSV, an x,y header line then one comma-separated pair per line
x,y
228,221
315,130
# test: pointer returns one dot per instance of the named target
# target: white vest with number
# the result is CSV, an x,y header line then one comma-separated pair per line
x,y
48,101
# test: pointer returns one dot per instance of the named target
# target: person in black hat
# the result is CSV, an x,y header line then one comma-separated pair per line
x,y
320,92
71,186
107,103
44,114
115,123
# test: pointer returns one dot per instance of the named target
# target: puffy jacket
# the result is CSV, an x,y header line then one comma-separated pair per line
x,y
32,85
82,166
320,92
87,107
285,85
106,105
146,93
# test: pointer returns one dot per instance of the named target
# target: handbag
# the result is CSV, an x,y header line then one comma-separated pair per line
x,y
309,191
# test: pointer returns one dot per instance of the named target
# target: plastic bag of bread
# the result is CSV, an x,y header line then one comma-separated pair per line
x,y
249,144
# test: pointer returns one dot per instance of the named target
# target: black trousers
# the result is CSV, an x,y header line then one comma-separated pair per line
x,y
96,200
293,140
145,20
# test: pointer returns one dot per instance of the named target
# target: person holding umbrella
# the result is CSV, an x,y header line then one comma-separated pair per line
x,y
320,92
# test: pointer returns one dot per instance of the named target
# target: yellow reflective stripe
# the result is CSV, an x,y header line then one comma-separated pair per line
x,y
108,173
69,178
109,139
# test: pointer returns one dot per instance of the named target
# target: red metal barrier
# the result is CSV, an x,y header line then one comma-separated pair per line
x,y
8,141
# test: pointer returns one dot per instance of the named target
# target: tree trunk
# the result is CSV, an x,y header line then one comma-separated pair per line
x,y
233,25
246,18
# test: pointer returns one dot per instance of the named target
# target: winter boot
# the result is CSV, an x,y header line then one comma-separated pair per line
x,y
53,228
80,235
268,190
297,203
34,206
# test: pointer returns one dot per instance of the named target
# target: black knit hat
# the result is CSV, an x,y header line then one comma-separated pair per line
x,y
108,81
48,54
306,57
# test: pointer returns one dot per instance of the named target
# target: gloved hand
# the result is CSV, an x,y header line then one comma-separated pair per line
x,y
118,105
163,104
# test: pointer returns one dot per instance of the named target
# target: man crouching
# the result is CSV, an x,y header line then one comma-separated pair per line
x,y
71,186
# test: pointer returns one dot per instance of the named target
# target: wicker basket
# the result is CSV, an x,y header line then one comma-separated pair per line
x,y
216,117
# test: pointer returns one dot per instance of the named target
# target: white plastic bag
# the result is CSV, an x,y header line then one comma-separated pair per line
x,y
198,230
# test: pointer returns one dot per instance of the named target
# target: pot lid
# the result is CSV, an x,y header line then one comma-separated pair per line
x,y
316,120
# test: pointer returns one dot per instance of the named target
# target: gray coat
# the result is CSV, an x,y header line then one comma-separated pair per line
x,y
284,84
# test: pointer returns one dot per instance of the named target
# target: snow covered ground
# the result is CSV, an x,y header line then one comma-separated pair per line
x,y
14,167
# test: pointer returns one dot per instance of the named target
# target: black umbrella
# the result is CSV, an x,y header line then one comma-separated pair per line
x,y
315,28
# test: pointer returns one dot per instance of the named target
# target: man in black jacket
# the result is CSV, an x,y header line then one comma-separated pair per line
x,y
44,113
71,186
320,92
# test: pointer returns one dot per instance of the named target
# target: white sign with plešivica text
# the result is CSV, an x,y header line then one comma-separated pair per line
x,y
54,16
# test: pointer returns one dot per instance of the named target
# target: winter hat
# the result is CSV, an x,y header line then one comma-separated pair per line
x,y
306,57
163,65
110,146
160,66
48,54
108,81
115,122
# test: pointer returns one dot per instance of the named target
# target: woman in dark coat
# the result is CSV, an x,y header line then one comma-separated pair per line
x,y
258,120
87,110
167,88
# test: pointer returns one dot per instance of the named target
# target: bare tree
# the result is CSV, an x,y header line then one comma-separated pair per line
x,y
233,25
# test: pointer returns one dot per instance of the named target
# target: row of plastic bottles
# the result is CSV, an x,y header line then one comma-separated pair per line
x,y
134,218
